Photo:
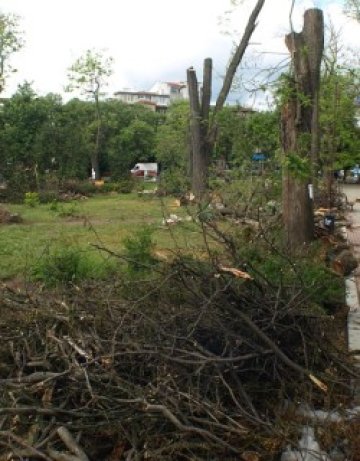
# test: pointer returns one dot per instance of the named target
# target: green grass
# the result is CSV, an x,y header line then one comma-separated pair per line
x,y
104,220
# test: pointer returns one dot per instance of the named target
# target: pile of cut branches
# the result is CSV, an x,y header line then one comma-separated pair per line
x,y
195,360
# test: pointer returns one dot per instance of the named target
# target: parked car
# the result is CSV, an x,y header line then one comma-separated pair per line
x,y
352,176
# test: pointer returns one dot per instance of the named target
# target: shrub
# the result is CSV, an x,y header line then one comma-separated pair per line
x,y
138,250
74,186
174,182
64,264
58,266
48,196
32,199
54,206
124,186
20,181
86,188
68,211
65,210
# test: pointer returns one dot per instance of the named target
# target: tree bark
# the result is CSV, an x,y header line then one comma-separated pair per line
x,y
199,169
204,132
300,128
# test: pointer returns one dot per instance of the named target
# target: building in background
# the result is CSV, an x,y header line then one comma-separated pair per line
x,y
158,98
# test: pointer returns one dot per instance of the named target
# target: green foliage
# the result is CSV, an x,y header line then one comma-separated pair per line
x,y
32,199
305,272
74,186
172,137
298,166
63,264
134,143
340,142
11,41
240,135
28,135
41,137
124,186
174,182
70,210
286,90
48,196
21,181
89,72
113,217
139,251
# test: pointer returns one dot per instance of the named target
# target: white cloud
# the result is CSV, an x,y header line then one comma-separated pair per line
x,y
149,40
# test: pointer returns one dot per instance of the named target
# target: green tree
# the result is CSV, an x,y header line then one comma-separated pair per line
x,y
134,143
172,138
27,135
340,145
11,41
74,139
339,91
241,135
88,75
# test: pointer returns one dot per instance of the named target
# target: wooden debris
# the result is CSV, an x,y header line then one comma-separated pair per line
x,y
236,272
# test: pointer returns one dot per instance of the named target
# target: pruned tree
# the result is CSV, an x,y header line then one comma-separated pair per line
x,y
11,41
88,75
203,126
300,128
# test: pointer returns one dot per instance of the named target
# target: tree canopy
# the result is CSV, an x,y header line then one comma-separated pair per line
x,y
11,41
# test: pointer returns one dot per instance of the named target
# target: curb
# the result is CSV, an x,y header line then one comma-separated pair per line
x,y
352,302
353,323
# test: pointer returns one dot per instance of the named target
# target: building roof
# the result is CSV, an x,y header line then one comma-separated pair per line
x,y
176,84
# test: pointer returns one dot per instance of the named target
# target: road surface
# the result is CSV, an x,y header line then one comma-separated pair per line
x,y
353,192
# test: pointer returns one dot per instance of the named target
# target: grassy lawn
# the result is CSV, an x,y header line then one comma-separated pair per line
x,y
104,220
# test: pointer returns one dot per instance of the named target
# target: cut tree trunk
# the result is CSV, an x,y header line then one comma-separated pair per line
x,y
204,132
198,154
300,128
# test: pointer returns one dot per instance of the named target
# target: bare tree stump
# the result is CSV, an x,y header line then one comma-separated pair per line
x,y
300,128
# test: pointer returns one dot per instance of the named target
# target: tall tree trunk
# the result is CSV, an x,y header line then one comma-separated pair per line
x,y
199,162
204,133
300,128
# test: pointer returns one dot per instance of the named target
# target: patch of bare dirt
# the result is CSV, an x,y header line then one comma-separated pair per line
x,y
9,218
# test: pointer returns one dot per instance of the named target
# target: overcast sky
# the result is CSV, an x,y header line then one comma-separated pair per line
x,y
149,40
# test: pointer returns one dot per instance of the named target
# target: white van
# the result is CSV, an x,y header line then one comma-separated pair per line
x,y
145,170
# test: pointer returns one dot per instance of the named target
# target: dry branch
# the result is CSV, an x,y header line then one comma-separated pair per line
x,y
71,444
187,364
237,57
